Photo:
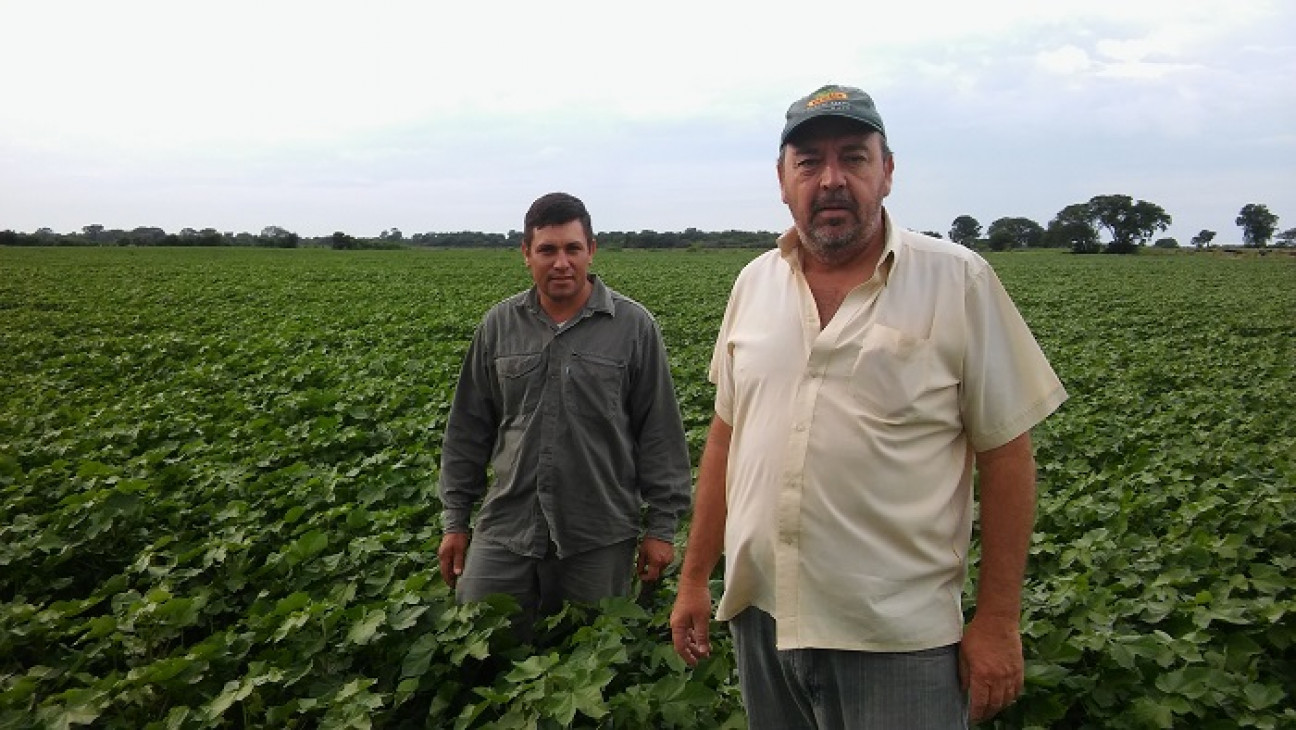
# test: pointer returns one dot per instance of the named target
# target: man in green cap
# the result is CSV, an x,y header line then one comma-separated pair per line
x,y
863,374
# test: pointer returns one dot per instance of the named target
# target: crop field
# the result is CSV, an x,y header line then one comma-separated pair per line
x,y
218,496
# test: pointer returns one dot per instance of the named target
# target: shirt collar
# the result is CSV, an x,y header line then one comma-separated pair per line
x,y
600,299
790,247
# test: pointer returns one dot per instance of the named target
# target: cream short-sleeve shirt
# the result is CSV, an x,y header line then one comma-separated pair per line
x,y
849,484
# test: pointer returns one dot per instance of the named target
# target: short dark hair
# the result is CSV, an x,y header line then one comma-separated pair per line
x,y
555,209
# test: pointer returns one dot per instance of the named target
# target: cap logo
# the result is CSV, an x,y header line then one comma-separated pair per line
x,y
825,97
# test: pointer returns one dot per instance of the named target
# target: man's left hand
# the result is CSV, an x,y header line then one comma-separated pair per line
x,y
991,667
654,556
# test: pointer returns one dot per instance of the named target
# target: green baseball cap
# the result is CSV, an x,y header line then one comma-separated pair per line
x,y
833,101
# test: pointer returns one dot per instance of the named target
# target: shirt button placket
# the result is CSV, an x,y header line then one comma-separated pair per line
x,y
546,473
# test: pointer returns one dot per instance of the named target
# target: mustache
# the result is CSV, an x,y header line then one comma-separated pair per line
x,y
840,199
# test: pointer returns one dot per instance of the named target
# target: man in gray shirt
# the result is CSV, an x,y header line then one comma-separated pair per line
x,y
566,394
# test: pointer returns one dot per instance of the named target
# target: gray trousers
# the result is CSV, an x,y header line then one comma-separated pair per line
x,y
829,689
540,585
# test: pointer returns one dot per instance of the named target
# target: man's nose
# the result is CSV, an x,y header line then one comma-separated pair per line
x,y
832,176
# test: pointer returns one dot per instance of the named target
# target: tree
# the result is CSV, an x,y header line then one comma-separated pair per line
x,y
1203,238
1009,233
1258,224
1073,228
145,236
1166,243
278,237
1131,223
1287,238
965,230
92,232
342,241
210,237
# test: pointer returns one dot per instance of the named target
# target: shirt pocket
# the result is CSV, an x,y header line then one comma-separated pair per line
x,y
521,380
891,371
592,385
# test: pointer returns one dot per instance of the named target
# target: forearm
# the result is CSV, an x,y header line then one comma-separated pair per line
x,y
690,618
1007,499
456,507
710,510
663,476
468,441
465,452
663,473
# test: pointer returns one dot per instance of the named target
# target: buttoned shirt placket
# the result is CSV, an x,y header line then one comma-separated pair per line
x,y
551,415
820,346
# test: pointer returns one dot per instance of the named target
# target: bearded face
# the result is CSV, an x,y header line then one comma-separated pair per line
x,y
834,179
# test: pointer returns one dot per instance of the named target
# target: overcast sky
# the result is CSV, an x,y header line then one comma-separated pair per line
x,y
436,116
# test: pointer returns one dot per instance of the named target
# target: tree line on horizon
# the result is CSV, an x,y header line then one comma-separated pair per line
x,y
1129,224
278,237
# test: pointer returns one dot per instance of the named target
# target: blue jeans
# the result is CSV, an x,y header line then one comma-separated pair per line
x,y
828,689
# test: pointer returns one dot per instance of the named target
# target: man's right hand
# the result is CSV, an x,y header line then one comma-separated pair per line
x,y
454,546
690,623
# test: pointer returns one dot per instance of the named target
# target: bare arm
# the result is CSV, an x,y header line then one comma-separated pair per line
x,y
691,618
991,664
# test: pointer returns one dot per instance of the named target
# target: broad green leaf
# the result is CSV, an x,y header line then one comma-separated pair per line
x,y
1263,696
419,656
307,546
367,628
531,668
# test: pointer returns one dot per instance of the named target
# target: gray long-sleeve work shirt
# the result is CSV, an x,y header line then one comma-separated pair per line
x,y
579,422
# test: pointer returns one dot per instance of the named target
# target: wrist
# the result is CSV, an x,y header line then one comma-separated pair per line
x,y
998,618
694,583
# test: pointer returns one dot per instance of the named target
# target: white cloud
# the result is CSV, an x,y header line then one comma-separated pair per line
x,y
1066,61
186,102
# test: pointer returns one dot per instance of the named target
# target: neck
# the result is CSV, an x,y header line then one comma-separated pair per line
x,y
858,259
561,310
